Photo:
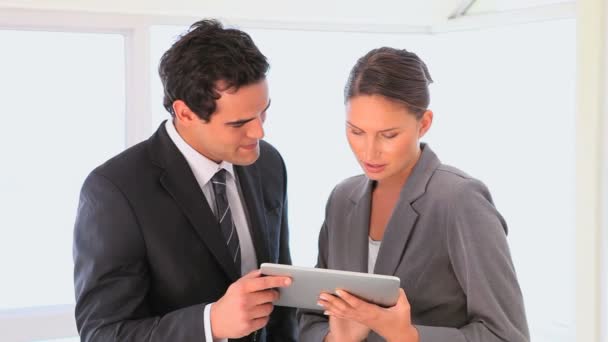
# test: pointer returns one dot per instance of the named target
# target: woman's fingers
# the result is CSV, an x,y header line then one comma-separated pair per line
x,y
333,304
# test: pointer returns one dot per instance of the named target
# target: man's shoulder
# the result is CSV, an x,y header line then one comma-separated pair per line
x,y
126,166
270,161
269,154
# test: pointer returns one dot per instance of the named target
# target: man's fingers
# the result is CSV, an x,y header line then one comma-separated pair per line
x,y
263,310
265,296
252,274
259,323
268,282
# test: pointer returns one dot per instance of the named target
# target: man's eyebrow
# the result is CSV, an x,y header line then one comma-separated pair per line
x,y
244,121
239,122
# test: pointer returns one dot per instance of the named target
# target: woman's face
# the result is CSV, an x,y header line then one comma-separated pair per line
x,y
384,136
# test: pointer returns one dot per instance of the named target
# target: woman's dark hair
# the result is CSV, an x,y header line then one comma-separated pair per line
x,y
398,75
205,55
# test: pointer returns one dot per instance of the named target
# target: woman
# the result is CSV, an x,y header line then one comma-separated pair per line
x,y
411,216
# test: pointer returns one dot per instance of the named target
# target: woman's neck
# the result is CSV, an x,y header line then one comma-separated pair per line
x,y
398,180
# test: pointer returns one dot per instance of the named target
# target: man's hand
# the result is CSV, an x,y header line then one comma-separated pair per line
x,y
246,305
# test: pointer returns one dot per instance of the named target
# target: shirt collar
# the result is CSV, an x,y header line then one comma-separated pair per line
x,y
202,167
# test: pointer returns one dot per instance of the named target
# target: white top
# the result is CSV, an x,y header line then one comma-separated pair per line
x,y
204,169
372,254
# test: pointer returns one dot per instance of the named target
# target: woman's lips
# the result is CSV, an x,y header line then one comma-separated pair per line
x,y
374,168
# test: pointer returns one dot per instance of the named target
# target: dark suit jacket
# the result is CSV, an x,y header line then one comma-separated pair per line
x,y
446,242
149,253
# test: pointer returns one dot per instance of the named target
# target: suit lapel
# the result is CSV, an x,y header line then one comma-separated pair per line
x,y
358,226
251,187
402,223
180,183
395,238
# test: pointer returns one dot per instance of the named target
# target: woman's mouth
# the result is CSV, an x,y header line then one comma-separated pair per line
x,y
374,168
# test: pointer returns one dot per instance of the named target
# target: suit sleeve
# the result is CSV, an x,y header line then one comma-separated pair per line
x,y
282,325
480,257
111,276
314,326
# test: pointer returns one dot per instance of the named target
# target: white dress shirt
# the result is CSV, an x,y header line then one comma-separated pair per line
x,y
204,169
372,254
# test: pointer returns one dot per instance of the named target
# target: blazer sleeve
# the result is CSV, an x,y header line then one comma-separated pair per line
x,y
314,326
480,257
111,276
282,325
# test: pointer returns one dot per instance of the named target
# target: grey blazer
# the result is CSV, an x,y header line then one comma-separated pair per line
x,y
446,242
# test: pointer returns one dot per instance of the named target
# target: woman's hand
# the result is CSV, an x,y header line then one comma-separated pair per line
x,y
394,323
342,330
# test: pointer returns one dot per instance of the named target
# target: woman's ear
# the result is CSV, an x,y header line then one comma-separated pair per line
x,y
425,123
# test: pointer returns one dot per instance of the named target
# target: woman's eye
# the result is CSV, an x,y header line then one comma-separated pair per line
x,y
355,132
389,136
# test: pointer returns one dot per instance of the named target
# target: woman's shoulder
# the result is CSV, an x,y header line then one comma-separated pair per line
x,y
450,183
349,187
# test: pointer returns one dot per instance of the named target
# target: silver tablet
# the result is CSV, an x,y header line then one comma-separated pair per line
x,y
308,283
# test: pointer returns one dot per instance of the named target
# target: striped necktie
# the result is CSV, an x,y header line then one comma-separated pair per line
x,y
224,216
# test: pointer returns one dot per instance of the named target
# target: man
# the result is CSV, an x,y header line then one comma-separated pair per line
x,y
166,229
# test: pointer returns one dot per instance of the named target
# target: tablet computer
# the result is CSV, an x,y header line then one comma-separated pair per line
x,y
308,283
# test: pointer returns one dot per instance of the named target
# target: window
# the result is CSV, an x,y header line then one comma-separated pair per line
x,y
63,114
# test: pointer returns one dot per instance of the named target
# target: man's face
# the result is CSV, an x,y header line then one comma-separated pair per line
x,y
234,129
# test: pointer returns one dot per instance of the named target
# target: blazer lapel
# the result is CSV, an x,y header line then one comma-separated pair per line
x,y
180,183
403,219
251,187
395,238
358,228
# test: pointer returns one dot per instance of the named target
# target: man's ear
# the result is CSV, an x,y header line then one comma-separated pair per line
x,y
425,123
183,113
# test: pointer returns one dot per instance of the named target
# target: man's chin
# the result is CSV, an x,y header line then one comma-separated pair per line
x,y
245,159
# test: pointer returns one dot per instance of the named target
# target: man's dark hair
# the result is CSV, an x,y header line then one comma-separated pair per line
x,y
398,75
204,59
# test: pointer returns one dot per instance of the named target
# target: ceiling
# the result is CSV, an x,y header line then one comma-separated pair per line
x,y
310,13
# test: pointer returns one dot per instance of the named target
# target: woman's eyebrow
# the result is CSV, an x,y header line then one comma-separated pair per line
x,y
382,131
